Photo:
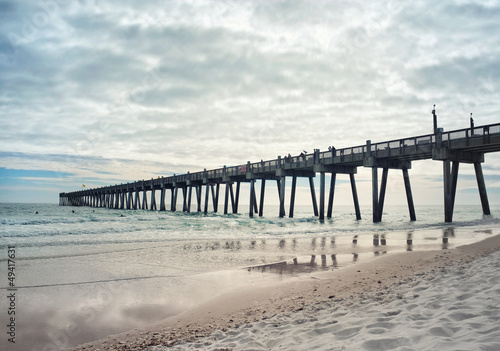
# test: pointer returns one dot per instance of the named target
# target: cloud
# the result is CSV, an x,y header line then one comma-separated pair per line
x,y
187,85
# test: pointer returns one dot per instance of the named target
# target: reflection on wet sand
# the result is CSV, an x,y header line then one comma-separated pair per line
x,y
409,241
304,264
447,233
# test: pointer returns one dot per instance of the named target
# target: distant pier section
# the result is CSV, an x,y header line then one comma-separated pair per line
x,y
451,148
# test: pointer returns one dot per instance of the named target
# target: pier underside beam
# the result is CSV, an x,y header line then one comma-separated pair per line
x,y
482,188
375,194
252,198
255,206
262,193
215,196
355,196
162,198
282,196
207,191
331,195
231,193
184,199
136,200
383,187
190,192
313,196
409,196
198,198
226,198
153,199
130,202
450,177
449,184
144,199
379,198
292,196
322,196
173,199
236,198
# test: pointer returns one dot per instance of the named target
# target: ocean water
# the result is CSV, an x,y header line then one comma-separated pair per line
x,y
84,273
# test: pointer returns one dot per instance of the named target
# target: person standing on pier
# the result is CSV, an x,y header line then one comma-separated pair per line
x,y
435,119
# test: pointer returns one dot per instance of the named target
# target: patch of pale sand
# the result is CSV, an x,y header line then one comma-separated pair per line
x,y
458,310
364,280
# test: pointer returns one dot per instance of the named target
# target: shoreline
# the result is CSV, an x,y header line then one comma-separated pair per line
x,y
341,286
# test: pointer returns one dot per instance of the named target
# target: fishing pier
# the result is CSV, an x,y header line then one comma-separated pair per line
x,y
451,148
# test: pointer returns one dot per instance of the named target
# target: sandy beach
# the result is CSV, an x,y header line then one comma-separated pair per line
x,y
299,301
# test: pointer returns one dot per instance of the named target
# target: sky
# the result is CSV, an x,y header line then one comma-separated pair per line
x,y
106,92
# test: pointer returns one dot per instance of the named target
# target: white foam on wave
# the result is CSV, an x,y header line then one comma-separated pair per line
x,y
458,310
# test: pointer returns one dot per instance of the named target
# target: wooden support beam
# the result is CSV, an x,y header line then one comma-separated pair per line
x,y
153,198
207,191
190,191
482,188
236,198
172,199
184,199
409,197
313,196
282,196
448,204
355,196
454,181
144,199
162,197
331,195
292,196
278,183
252,186
136,201
383,187
215,196
231,194
198,197
130,200
226,199
375,194
214,203
255,206
262,192
176,193
322,196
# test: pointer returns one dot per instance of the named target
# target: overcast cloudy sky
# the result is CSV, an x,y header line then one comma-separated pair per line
x,y
102,92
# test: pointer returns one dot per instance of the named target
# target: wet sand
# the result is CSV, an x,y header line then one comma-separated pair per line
x,y
376,277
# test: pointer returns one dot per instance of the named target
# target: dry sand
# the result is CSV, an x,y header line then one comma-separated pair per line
x,y
365,280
